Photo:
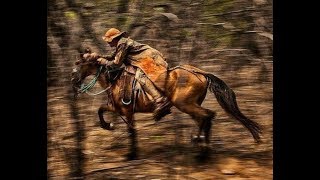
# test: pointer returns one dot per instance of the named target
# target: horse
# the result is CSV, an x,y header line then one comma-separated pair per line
x,y
186,87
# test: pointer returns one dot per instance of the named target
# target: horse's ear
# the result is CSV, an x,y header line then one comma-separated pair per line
x,y
77,62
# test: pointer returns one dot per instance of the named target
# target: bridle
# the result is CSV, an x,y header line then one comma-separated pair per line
x,y
86,87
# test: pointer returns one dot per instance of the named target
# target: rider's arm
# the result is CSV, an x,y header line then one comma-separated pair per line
x,y
120,54
109,57
122,50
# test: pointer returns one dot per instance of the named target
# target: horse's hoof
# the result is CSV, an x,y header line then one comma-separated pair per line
x,y
132,156
108,126
198,139
111,126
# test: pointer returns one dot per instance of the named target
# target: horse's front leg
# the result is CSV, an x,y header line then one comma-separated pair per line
x,y
133,137
103,108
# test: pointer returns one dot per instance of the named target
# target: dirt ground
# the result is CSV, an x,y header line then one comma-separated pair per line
x,y
165,150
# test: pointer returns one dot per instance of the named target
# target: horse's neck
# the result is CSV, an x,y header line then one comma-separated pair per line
x,y
103,82
106,84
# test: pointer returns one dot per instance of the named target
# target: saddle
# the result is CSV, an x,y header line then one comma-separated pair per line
x,y
130,88
127,84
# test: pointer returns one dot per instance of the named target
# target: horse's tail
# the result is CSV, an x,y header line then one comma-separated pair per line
x,y
227,100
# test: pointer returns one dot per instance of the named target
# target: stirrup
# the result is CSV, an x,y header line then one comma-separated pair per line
x,y
126,103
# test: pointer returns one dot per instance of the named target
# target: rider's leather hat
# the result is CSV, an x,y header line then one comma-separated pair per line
x,y
111,34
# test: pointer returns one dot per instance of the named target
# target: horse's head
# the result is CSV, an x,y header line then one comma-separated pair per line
x,y
86,65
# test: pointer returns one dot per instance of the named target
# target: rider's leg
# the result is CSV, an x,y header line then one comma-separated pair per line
x,y
162,104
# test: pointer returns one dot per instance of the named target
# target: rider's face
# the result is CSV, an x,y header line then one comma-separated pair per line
x,y
113,43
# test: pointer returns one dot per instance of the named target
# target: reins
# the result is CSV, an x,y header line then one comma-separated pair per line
x,y
87,87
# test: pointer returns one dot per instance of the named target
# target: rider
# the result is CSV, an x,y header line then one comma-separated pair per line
x,y
150,63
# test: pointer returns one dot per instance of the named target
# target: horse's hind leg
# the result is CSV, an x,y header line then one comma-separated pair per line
x,y
207,123
202,116
103,124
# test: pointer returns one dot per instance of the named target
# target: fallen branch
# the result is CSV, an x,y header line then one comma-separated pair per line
x,y
131,163
231,12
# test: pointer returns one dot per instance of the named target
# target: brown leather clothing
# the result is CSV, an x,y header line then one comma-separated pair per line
x,y
148,59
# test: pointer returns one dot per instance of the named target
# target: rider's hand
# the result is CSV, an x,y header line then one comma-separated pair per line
x,y
102,61
86,56
94,55
90,56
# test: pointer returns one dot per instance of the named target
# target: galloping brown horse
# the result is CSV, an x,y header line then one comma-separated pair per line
x,y
186,87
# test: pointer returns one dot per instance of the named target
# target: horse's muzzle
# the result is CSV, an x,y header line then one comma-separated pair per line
x,y
76,81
